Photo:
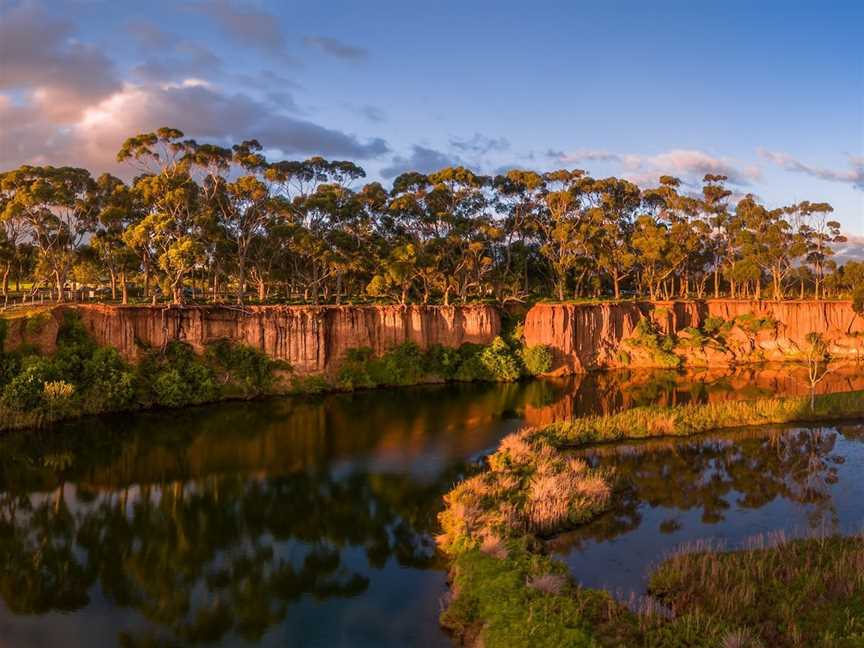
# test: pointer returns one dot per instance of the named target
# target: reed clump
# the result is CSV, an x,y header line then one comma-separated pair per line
x,y
785,593
655,421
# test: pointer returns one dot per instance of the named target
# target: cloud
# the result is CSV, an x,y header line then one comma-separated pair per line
x,y
480,144
198,109
422,159
245,24
372,113
689,165
851,250
336,48
583,155
149,35
188,60
854,175
39,55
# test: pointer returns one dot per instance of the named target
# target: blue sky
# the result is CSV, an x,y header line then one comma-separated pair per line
x,y
771,93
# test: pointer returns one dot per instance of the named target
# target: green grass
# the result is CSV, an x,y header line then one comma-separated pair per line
x,y
655,421
491,521
527,599
799,593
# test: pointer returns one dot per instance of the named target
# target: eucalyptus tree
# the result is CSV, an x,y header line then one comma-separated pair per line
x,y
55,208
559,225
817,235
518,196
171,200
612,222
715,211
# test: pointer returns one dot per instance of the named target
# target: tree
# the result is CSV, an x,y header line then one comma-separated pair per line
x,y
171,200
55,208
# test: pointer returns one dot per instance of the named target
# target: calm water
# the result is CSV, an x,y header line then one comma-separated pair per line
x,y
310,522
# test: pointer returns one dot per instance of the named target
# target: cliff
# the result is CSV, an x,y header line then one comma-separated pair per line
x,y
605,335
313,339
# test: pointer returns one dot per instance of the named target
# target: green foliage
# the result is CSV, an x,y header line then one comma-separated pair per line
x,y
715,325
246,369
108,380
26,390
179,377
537,359
494,363
407,364
646,336
812,589
495,600
753,324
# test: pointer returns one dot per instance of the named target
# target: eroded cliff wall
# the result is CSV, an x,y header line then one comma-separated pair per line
x,y
313,339
593,336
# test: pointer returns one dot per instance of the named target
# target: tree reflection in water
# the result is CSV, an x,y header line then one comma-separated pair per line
x,y
719,476
212,523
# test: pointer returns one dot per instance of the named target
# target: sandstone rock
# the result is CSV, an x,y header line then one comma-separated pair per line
x,y
313,339
590,336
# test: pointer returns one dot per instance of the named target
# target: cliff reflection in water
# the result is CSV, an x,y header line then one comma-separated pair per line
x,y
311,521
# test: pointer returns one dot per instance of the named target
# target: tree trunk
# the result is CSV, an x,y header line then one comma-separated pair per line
x,y
124,288
60,294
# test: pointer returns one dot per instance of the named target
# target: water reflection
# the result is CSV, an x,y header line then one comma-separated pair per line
x,y
725,487
311,521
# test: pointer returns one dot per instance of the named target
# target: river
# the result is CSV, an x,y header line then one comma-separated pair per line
x,y
311,521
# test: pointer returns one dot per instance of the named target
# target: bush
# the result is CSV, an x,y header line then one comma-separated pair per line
x,y
246,368
537,359
108,381
179,377
496,362
26,390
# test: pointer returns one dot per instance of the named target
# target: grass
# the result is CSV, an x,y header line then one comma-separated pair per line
x,y
505,592
797,593
655,421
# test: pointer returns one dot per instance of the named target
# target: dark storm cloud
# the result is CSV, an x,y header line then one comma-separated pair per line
x,y
422,159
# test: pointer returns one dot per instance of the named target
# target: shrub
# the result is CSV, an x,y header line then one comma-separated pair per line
x,y
660,346
57,396
179,377
753,323
496,362
247,369
108,380
443,361
26,390
537,359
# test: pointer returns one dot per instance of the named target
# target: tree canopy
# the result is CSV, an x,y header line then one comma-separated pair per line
x,y
201,221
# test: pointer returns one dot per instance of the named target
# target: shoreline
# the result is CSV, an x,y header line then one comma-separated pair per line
x,y
497,520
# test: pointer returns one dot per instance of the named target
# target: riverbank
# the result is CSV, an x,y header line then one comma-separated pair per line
x,y
224,352
81,377
494,522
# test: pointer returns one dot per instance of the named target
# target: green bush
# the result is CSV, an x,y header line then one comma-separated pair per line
x,y
658,345
179,377
108,380
537,359
443,361
26,390
247,369
496,362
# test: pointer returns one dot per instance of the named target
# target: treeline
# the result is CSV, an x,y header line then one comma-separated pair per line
x,y
204,222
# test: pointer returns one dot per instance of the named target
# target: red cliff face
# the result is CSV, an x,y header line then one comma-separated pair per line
x,y
313,339
593,336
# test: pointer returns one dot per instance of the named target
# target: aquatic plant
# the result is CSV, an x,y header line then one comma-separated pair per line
x,y
492,520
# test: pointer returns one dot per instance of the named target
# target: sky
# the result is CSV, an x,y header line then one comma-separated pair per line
x,y
768,93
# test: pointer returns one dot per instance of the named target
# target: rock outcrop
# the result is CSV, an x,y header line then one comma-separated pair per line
x,y
313,339
604,335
